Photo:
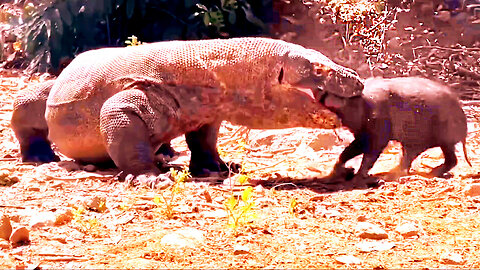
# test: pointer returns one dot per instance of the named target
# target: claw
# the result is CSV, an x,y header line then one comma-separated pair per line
x,y
160,181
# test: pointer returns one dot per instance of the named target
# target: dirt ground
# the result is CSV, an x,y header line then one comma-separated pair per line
x,y
297,221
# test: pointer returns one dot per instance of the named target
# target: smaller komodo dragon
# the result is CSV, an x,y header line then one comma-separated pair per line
x,y
122,104
417,112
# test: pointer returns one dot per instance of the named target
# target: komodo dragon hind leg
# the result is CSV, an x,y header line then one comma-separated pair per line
x,y
29,124
204,154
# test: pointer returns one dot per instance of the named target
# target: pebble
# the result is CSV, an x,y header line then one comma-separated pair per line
x,y
6,179
63,216
408,229
452,258
57,184
472,190
362,218
34,188
240,249
183,238
96,203
259,190
329,213
5,227
89,168
40,220
370,231
20,235
69,165
348,259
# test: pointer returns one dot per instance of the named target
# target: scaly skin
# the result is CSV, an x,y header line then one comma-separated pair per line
x,y
124,103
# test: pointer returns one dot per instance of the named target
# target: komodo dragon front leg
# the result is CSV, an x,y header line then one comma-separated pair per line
x,y
137,121
204,154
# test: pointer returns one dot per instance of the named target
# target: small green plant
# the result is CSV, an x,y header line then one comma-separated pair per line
x,y
227,15
88,226
166,200
241,210
292,206
133,41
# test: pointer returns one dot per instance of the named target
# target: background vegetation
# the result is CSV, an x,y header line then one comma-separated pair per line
x,y
52,31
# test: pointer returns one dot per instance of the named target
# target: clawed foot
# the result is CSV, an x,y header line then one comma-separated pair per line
x,y
440,172
222,170
160,181
340,174
166,152
39,150
361,181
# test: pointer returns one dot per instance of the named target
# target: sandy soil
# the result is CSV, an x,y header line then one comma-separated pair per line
x,y
297,220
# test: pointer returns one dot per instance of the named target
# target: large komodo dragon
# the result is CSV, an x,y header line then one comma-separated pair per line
x,y
122,104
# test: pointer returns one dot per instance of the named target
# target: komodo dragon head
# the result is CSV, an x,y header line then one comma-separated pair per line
x,y
308,68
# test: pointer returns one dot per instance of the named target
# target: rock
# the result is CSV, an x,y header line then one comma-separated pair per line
x,y
452,258
206,195
259,190
240,249
4,244
5,227
369,246
183,238
408,229
370,231
472,190
63,216
89,168
69,165
6,179
96,203
362,218
34,188
42,220
20,235
57,185
329,213
348,259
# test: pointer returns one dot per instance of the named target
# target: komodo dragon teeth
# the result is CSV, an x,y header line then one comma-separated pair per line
x,y
122,104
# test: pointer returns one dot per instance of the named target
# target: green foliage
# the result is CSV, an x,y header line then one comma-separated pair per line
x,y
224,17
292,206
56,30
166,201
133,41
241,210
89,226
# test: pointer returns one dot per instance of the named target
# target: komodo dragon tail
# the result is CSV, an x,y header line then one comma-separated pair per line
x,y
464,142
